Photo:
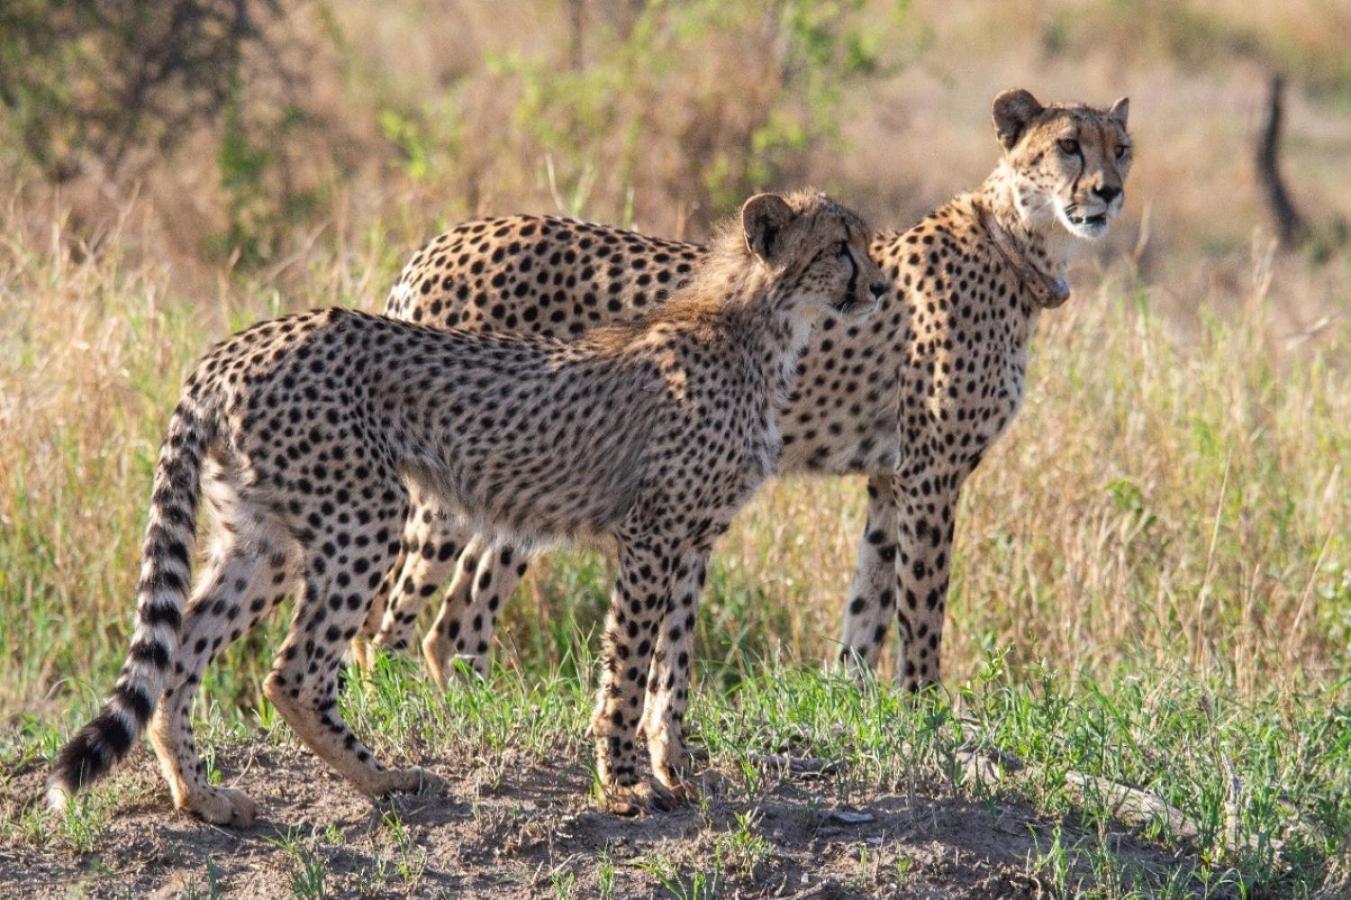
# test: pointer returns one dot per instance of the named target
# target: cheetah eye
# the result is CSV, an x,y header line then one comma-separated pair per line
x,y
1122,150
1068,146
844,251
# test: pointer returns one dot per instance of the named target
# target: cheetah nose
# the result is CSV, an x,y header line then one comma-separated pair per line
x,y
877,289
1108,192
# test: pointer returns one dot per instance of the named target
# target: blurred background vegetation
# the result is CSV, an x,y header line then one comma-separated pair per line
x,y
247,130
1174,493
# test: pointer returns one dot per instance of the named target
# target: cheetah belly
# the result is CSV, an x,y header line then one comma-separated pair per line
x,y
540,452
558,489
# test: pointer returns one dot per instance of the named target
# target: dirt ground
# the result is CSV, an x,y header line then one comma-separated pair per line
x,y
514,829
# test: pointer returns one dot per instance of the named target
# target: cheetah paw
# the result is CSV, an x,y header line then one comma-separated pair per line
x,y
688,788
646,796
412,780
223,806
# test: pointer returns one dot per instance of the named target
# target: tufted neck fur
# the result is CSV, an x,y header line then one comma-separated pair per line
x,y
730,302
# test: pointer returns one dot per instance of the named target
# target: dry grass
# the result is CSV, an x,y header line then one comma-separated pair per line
x,y
1167,498
403,117
1171,495
1174,492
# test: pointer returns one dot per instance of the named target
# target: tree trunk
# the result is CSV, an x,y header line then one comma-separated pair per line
x,y
1289,223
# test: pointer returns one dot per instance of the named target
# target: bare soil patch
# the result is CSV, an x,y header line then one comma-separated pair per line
x,y
514,828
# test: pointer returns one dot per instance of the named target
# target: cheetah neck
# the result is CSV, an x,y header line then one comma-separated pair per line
x,y
1034,234
771,335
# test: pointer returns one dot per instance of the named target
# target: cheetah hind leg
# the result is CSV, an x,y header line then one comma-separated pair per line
x,y
250,572
304,680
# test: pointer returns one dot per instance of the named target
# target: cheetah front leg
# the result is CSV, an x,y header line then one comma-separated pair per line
x,y
485,578
872,594
927,502
433,541
638,605
668,682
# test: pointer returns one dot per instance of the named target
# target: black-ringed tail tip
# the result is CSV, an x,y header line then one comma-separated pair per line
x,y
96,747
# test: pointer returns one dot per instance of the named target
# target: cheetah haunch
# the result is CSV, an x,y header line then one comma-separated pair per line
x,y
304,433
913,398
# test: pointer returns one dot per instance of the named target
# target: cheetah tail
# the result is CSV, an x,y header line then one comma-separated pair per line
x,y
160,596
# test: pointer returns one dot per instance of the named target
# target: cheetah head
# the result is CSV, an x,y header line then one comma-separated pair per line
x,y
816,246
1067,162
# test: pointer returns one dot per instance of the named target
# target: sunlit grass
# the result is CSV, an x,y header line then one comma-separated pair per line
x,y
1152,578
1173,495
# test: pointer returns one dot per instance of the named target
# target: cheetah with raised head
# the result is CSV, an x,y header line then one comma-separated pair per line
x,y
912,398
305,433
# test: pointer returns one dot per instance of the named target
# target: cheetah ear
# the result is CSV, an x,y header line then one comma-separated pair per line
x,y
1013,112
764,217
1120,110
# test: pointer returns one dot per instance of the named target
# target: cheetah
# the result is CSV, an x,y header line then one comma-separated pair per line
x,y
912,399
304,434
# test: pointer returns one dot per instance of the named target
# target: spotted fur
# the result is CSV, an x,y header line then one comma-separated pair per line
x,y
912,398
308,431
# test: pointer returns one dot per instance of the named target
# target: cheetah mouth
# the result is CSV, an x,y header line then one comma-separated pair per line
x,y
855,306
1096,221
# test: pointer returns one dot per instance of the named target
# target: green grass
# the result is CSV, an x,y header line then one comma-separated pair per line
x,y
1151,584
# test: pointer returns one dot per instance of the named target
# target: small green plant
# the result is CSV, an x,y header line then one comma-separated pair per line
x,y
412,858
308,875
605,874
308,871
742,850
80,825
213,889
697,885
564,884
407,134
1053,862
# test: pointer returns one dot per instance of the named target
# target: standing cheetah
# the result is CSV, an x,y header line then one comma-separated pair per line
x,y
304,433
912,399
